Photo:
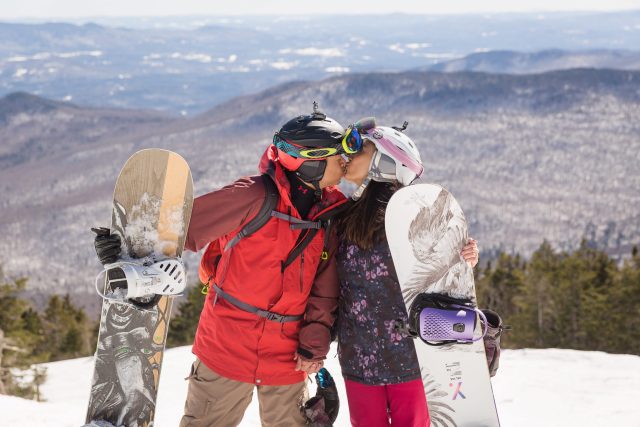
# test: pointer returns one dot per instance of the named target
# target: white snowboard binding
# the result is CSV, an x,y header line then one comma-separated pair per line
x,y
130,280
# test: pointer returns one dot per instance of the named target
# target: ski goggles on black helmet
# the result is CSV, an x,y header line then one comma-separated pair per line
x,y
312,153
351,143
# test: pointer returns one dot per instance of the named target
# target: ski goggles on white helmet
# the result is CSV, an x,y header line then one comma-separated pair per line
x,y
352,141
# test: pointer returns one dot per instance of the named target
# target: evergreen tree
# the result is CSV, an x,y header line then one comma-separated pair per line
x,y
588,279
581,300
11,306
67,328
624,309
29,338
535,324
499,287
18,336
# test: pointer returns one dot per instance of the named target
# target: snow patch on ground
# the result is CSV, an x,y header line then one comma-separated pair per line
x,y
551,388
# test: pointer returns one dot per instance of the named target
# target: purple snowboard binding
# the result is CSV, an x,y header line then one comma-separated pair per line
x,y
439,319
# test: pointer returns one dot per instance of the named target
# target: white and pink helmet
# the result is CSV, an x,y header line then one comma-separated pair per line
x,y
396,159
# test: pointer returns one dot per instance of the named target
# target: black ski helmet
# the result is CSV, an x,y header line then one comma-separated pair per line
x,y
315,130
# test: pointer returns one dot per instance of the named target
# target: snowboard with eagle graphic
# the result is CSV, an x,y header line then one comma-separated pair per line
x,y
426,230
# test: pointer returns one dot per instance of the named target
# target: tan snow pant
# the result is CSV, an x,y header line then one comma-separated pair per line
x,y
213,400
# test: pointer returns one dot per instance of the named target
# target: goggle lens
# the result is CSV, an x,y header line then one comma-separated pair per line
x,y
305,153
352,141
318,153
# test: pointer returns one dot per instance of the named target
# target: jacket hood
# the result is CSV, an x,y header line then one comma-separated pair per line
x,y
270,165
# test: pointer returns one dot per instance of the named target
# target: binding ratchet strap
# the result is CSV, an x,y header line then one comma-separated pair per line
x,y
269,315
103,276
482,323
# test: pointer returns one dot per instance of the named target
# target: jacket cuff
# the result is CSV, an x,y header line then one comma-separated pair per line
x,y
313,341
305,353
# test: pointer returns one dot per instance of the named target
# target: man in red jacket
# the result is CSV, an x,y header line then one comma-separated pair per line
x,y
273,294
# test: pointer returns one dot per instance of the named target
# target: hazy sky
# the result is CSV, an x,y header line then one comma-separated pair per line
x,y
11,9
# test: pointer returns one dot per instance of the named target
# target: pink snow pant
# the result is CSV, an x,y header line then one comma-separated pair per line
x,y
397,405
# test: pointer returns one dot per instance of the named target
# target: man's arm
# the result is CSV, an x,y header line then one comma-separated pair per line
x,y
220,212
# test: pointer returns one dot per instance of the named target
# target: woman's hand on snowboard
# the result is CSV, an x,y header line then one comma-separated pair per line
x,y
470,252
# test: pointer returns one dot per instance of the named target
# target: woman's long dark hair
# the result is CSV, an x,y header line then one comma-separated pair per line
x,y
363,222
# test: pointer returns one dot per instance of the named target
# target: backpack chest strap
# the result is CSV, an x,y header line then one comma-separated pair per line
x,y
297,223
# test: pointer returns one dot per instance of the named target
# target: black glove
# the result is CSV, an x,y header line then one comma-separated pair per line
x,y
492,340
107,245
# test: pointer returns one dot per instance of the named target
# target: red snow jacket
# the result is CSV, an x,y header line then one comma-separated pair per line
x,y
241,345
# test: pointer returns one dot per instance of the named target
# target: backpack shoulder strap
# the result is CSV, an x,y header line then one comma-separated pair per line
x,y
303,241
272,196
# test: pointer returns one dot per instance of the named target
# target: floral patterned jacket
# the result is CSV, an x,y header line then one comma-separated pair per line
x,y
370,350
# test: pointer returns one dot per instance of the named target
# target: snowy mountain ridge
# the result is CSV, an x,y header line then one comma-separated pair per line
x,y
188,64
546,156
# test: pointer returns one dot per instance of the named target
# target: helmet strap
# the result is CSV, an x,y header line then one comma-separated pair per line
x,y
318,190
358,193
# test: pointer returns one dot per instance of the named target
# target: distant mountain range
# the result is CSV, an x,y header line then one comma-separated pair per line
x,y
32,127
529,157
511,62
186,65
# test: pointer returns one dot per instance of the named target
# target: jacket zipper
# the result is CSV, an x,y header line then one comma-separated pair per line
x,y
301,270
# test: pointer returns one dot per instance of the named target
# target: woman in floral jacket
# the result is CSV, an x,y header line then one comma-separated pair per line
x,y
379,365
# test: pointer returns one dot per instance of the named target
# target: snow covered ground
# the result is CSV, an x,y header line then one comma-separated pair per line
x,y
533,388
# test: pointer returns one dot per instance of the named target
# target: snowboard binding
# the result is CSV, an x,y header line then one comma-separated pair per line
x,y
142,284
439,319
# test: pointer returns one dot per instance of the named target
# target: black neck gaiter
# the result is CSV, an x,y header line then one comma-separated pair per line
x,y
302,196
